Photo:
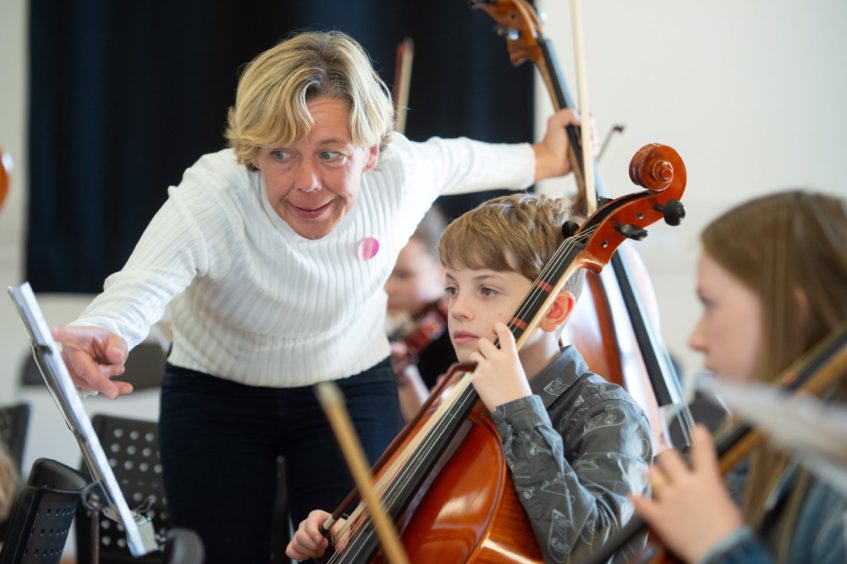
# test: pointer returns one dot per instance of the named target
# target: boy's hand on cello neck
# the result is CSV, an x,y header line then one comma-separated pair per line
x,y
499,376
93,357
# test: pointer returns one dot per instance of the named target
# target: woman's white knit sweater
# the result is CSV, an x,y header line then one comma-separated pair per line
x,y
254,302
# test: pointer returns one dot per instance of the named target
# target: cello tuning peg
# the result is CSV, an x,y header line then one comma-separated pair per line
x,y
569,229
508,33
631,231
673,212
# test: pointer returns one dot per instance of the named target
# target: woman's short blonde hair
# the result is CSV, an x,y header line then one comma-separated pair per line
x,y
270,103
518,232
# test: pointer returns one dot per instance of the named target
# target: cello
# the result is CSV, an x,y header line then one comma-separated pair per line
x,y
444,480
609,326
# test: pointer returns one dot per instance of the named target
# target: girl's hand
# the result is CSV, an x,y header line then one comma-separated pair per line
x,y
691,508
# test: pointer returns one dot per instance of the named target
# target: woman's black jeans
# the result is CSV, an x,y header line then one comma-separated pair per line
x,y
219,442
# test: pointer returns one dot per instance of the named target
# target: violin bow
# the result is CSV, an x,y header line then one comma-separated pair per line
x,y
582,96
402,81
330,397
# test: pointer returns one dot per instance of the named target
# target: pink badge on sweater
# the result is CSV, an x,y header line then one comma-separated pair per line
x,y
368,248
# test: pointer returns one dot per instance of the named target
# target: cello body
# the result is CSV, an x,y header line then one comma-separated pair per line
x,y
483,521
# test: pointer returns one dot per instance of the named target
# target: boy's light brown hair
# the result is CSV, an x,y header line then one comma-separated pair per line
x,y
518,232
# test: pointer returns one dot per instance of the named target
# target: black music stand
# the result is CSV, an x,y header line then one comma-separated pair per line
x,y
104,494
133,449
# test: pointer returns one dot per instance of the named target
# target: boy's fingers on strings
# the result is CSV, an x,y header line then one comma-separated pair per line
x,y
479,359
485,350
505,336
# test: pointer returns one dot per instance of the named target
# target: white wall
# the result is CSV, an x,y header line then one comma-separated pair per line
x,y
750,92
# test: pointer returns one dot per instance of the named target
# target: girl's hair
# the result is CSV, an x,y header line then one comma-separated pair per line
x,y
518,232
273,92
790,248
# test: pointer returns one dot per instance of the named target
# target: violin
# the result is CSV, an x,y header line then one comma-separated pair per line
x,y
814,374
426,343
444,481
5,175
429,325
609,326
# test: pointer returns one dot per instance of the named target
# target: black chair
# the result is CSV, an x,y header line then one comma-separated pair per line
x,y
14,422
42,514
132,447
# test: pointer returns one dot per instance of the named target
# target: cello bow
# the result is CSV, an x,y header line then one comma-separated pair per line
x,y
402,82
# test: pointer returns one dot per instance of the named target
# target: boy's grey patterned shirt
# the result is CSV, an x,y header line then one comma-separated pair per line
x,y
576,449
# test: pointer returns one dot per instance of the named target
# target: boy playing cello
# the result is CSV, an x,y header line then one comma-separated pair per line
x,y
575,444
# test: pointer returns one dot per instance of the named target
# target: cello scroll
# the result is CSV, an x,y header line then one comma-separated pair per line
x,y
660,170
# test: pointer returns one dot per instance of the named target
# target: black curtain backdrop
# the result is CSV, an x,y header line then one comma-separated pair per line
x,y
126,95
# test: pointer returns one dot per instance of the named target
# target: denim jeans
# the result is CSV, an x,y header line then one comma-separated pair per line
x,y
219,442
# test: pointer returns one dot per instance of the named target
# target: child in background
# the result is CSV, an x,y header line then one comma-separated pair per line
x,y
417,311
575,444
